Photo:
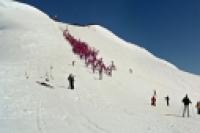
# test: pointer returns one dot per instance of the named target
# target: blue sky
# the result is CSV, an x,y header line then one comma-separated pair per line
x,y
170,29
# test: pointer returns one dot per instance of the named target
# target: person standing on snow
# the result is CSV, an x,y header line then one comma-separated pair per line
x,y
186,101
71,81
198,107
153,100
167,100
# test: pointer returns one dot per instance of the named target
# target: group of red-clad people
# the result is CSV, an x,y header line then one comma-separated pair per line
x,y
89,55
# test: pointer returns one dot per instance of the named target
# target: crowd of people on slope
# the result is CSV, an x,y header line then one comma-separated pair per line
x,y
186,102
90,55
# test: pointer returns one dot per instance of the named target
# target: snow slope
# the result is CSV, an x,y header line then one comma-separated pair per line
x,y
31,44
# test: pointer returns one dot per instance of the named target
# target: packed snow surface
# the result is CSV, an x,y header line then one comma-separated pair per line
x,y
32,46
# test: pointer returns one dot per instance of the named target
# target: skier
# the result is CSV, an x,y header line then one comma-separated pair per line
x,y
153,100
198,107
186,101
167,100
71,81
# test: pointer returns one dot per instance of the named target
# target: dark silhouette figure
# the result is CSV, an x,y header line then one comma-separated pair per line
x,y
153,101
167,100
71,81
198,107
186,101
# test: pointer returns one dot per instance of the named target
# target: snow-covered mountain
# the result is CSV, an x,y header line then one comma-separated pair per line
x,y
32,45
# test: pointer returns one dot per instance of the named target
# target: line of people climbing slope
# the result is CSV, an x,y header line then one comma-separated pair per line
x,y
90,55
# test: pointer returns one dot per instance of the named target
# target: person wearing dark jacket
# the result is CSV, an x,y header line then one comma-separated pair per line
x,y
71,81
153,101
167,100
186,101
198,107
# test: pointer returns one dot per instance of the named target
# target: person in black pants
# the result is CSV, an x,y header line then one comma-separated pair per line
x,y
71,81
167,100
186,101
